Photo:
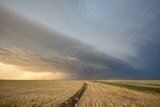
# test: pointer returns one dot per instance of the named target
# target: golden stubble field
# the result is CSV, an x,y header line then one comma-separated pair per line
x,y
54,93
102,95
36,93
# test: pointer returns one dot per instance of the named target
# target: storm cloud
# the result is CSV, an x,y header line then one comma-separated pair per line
x,y
32,46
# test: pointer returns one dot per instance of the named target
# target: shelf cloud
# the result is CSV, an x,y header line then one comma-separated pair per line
x,y
31,45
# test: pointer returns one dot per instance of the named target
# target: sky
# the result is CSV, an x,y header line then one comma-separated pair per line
x,y
79,39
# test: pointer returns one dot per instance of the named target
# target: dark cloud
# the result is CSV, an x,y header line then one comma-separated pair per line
x,y
31,46
38,63
149,54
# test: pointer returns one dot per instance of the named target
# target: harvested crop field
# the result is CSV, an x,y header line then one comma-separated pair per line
x,y
36,93
73,94
102,95
147,83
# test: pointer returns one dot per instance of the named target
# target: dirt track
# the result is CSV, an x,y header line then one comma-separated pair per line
x,y
72,101
54,93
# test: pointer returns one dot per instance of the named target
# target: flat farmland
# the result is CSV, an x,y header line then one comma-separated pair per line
x,y
146,83
93,94
103,95
36,93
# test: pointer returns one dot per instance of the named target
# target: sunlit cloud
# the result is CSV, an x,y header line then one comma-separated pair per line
x,y
12,72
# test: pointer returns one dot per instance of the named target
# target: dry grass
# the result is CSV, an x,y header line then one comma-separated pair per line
x,y
53,93
149,83
102,95
137,87
36,93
